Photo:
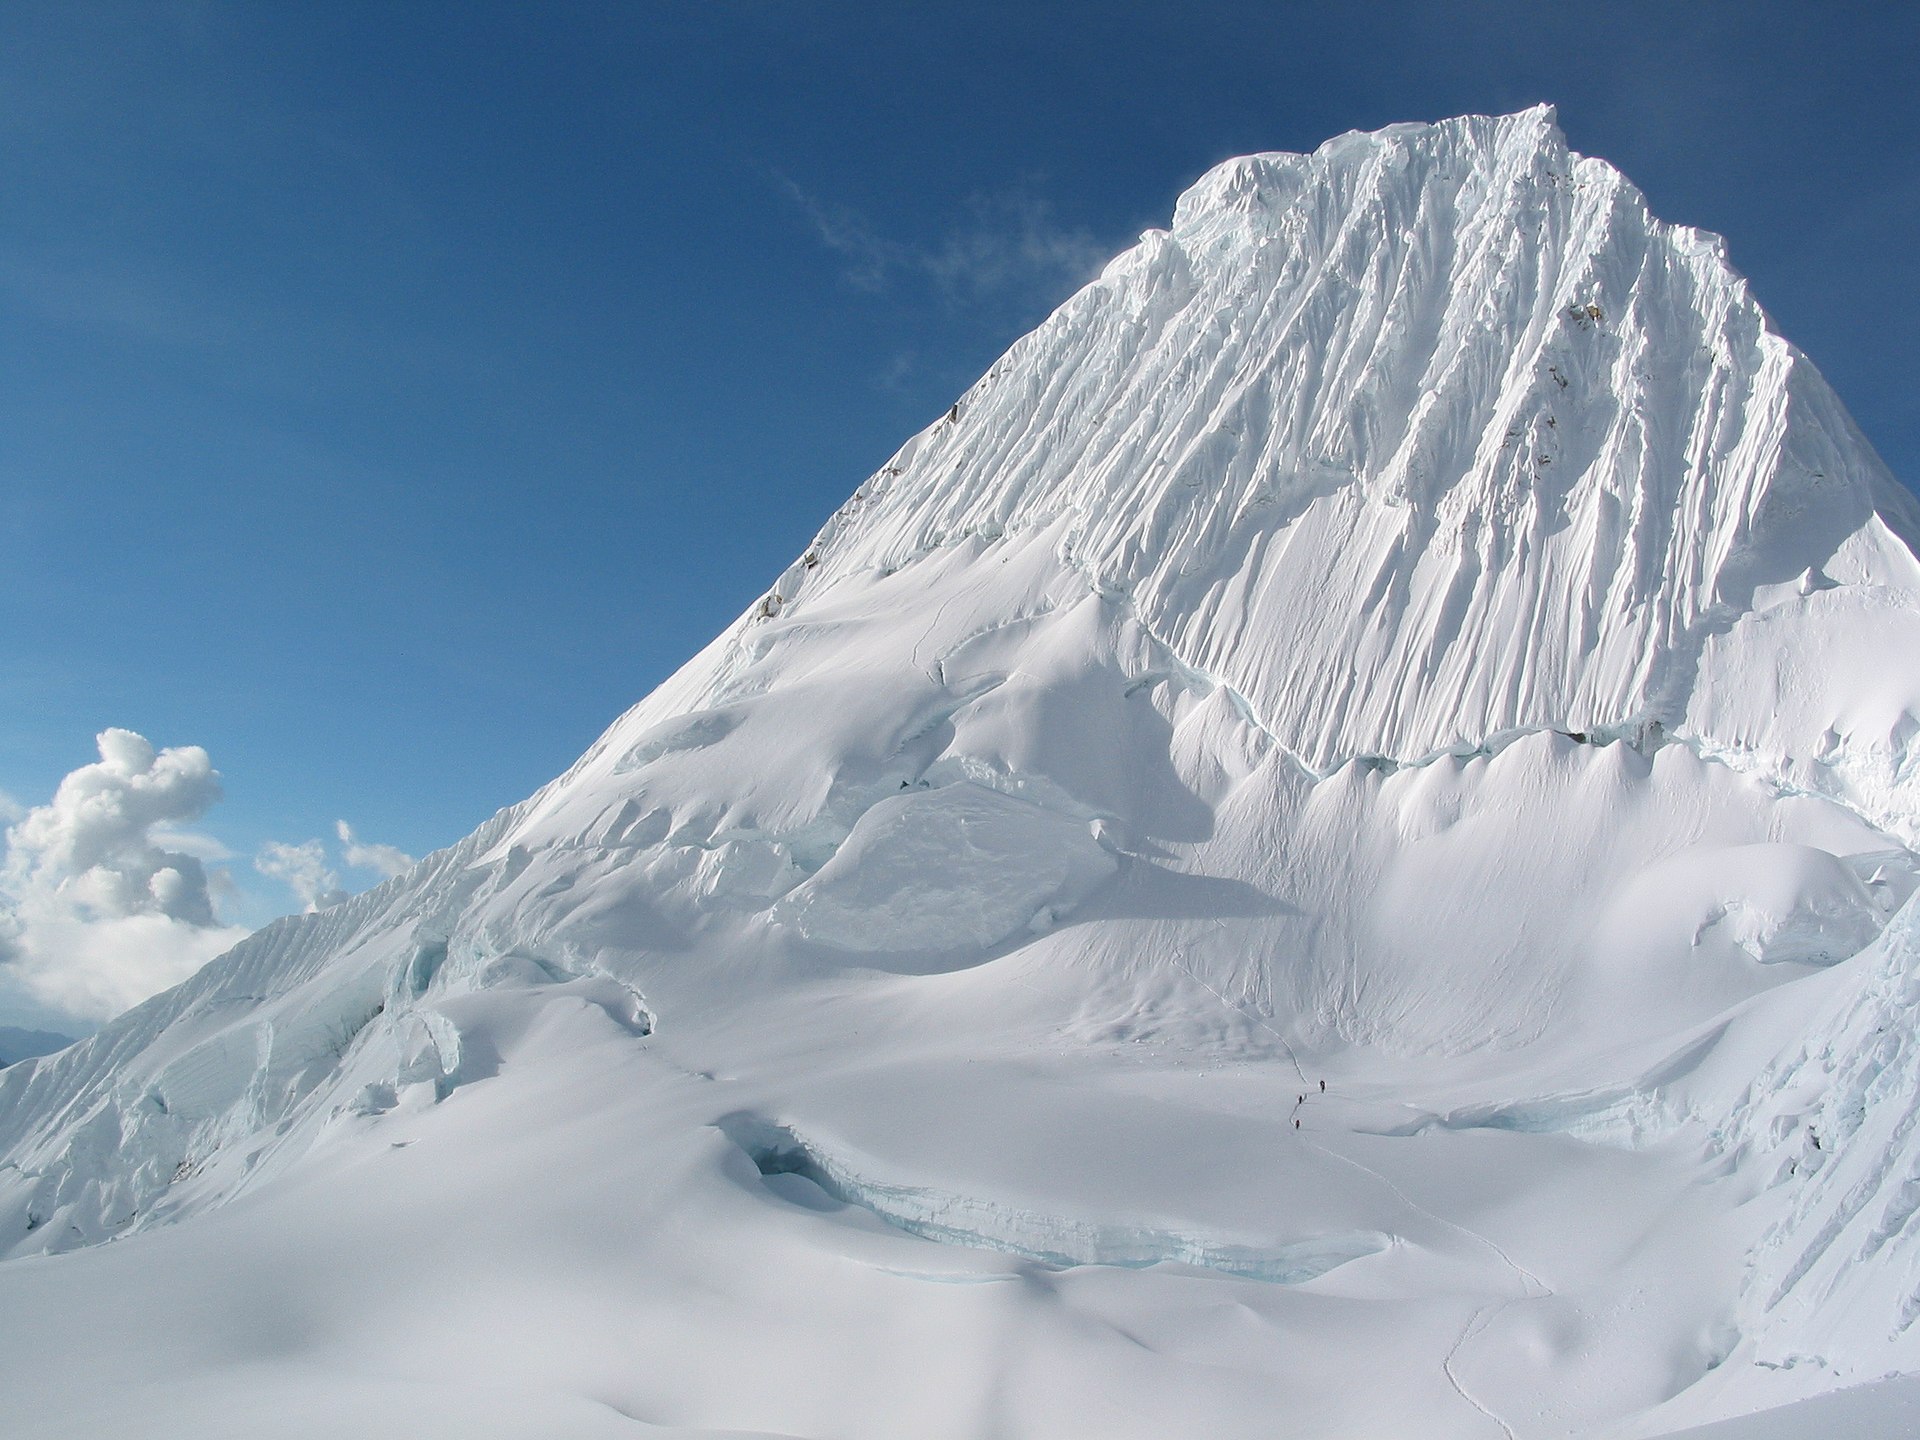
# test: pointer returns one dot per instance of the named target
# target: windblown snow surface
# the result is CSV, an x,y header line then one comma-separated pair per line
x,y
1411,625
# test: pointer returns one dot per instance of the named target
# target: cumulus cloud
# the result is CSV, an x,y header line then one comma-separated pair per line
x,y
303,869
387,860
101,903
310,874
108,895
200,846
93,843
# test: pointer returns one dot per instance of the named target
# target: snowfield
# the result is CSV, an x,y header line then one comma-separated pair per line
x,y
1327,855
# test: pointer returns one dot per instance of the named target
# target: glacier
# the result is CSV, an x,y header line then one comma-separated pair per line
x,y
1329,852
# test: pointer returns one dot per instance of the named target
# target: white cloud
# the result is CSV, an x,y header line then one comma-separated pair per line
x,y
106,895
201,846
93,842
306,869
303,869
94,969
100,904
388,860
1011,243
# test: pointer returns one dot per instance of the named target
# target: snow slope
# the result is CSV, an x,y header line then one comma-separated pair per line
x,y
1311,859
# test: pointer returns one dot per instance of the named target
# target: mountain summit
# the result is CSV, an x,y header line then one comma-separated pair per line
x,y
1427,436
1331,842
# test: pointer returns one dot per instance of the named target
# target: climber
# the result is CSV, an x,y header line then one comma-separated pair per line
x,y
1323,1087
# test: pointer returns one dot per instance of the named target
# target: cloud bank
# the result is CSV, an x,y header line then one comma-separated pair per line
x,y
101,905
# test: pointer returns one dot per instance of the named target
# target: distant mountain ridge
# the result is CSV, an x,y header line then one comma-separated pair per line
x,y
21,1044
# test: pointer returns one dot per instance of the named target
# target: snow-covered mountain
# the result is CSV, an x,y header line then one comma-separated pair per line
x,y
1326,854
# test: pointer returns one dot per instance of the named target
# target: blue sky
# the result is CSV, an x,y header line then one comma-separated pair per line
x,y
390,394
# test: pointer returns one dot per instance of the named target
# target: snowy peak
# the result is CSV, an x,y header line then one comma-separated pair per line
x,y
1409,626
1427,437
1259,187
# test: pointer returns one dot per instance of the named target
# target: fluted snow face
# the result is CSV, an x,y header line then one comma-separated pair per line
x,y
1431,434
